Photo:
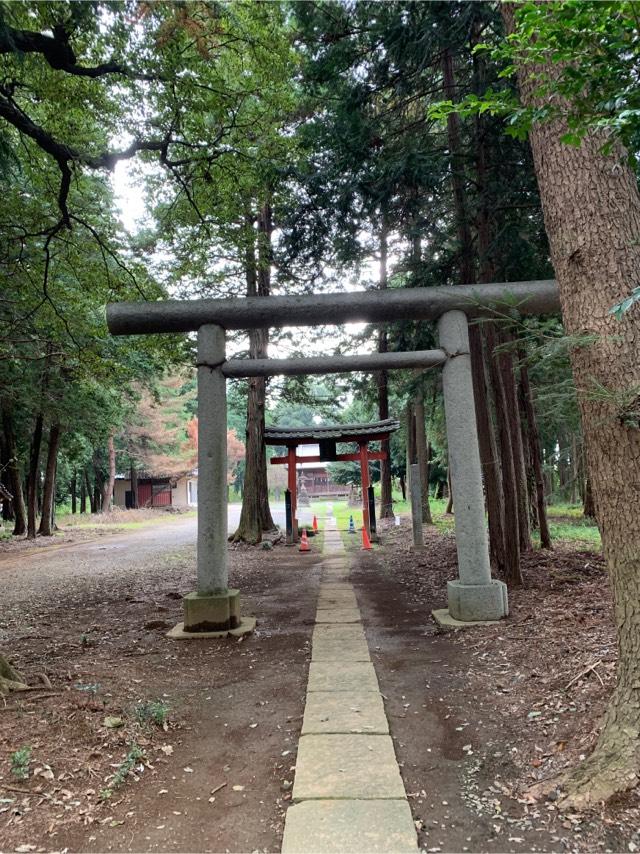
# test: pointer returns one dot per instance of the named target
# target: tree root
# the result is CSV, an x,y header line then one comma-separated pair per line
x,y
10,679
603,775
598,779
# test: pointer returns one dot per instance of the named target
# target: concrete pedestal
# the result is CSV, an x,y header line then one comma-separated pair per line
x,y
211,612
477,601
212,615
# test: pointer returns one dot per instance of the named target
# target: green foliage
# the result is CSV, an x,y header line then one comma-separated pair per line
x,y
133,757
152,711
20,760
594,51
621,308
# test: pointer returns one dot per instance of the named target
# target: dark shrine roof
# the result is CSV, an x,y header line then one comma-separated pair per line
x,y
281,435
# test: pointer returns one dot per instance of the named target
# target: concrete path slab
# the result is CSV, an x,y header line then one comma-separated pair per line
x,y
342,676
338,632
334,575
345,712
334,649
349,792
334,827
335,586
339,643
342,599
346,766
337,615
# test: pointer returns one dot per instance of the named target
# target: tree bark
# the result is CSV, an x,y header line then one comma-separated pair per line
x,y
512,414
491,471
255,516
134,487
93,507
32,480
513,572
49,491
422,455
15,476
107,490
591,207
535,453
73,490
386,490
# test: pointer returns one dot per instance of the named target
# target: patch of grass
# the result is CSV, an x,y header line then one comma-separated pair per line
x,y
152,712
571,533
20,760
134,755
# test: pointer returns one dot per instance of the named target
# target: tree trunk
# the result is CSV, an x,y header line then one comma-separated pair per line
x,y
15,477
513,572
449,508
90,492
97,494
386,490
422,456
255,516
134,487
32,482
49,491
492,474
534,450
589,507
73,490
512,414
107,491
591,207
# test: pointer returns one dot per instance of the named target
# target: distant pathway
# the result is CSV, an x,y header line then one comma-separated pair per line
x,y
348,793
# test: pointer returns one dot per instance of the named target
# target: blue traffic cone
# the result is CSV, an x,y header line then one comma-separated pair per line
x,y
352,527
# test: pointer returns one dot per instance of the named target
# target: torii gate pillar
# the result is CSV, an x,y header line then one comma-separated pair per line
x,y
475,595
213,610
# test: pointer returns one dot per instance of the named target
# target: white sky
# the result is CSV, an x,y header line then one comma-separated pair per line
x,y
130,201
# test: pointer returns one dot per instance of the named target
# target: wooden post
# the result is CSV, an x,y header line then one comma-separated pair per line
x,y
364,476
292,484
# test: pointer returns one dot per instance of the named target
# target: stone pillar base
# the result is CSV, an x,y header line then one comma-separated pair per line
x,y
211,612
472,602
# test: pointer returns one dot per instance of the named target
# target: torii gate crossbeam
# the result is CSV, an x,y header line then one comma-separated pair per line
x,y
475,596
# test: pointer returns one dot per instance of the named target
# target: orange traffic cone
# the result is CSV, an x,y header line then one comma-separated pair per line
x,y
315,524
304,543
366,542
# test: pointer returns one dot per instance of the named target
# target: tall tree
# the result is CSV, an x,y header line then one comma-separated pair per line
x,y
591,207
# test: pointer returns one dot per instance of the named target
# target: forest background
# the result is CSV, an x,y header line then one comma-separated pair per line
x,y
309,147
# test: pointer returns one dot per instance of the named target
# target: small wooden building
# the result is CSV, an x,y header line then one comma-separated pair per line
x,y
158,490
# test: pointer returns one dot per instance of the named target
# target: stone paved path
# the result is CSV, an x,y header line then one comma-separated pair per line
x,y
348,795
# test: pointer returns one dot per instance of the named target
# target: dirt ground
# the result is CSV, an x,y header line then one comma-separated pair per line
x,y
85,527
477,716
214,779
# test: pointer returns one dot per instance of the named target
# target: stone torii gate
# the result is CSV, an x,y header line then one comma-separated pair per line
x,y
214,609
328,437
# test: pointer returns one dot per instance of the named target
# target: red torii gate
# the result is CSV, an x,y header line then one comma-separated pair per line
x,y
327,437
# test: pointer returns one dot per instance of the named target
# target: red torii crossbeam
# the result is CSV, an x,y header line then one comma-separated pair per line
x,y
328,437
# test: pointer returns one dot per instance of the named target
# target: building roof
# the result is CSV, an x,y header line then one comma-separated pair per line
x,y
375,430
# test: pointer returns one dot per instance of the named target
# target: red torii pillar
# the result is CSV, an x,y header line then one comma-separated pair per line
x,y
363,452
363,455
293,489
